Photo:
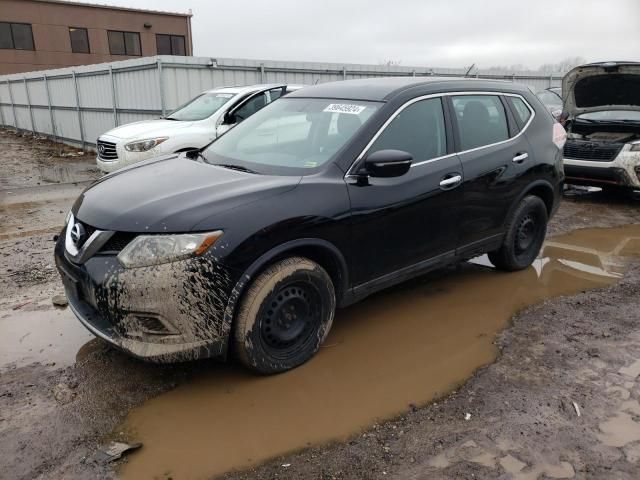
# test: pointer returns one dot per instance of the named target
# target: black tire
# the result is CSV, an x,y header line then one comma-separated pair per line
x,y
525,233
284,316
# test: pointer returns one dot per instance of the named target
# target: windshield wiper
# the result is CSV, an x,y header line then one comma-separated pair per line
x,y
239,168
170,118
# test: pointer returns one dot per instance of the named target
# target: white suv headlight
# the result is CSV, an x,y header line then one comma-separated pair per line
x,y
635,147
144,145
147,250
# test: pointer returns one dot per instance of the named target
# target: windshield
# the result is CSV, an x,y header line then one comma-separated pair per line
x,y
201,107
612,116
550,99
291,136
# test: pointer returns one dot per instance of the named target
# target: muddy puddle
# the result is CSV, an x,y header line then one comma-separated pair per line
x,y
51,337
400,347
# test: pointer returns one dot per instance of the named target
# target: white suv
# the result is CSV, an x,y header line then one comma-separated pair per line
x,y
602,118
190,127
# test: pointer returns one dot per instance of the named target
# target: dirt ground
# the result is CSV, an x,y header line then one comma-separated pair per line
x,y
560,401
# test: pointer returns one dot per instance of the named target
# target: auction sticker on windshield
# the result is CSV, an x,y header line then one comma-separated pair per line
x,y
344,108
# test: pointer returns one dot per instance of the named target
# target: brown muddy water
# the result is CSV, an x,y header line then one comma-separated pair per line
x,y
48,336
401,347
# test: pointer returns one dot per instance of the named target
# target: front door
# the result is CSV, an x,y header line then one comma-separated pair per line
x,y
400,224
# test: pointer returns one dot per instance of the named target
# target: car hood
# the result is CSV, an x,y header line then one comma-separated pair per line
x,y
172,194
602,86
148,129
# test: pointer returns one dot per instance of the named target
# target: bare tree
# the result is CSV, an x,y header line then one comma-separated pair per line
x,y
563,66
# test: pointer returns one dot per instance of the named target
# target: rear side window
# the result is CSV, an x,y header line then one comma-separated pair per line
x,y
481,120
419,129
521,110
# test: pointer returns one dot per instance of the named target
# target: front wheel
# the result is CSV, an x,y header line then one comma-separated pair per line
x,y
284,316
525,233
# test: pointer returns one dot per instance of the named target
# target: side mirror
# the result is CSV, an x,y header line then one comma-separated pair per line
x,y
388,163
230,119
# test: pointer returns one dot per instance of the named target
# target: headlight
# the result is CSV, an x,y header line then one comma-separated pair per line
x,y
147,250
144,145
635,147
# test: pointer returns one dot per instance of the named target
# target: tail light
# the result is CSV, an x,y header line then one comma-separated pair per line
x,y
559,135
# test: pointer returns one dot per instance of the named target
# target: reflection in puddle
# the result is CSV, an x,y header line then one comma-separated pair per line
x,y
47,336
400,347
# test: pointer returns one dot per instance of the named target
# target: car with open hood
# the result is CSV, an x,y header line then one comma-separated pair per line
x,y
315,202
189,127
602,118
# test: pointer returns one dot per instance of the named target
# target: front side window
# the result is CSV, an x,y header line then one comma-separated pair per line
x,y
250,107
17,36
170,44
481,120
418,129
201,107
79,40
124,43
293,136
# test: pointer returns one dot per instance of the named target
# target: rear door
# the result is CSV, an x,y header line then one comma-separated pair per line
x,y
494,154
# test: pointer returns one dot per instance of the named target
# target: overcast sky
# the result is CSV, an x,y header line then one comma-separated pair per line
x,y
440,33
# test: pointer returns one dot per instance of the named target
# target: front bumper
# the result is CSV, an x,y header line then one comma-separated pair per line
x,y
165,313
624,170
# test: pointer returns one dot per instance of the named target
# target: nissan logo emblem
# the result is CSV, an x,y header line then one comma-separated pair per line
x,y
77,233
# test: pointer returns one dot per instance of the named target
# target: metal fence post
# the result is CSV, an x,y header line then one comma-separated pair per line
x,y
53,121
344,73
550,80
262,73
75,86
13,106
114,96
1,114
26,89
161,81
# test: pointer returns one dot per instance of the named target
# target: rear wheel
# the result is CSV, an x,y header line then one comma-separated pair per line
x,y
525,233
284,316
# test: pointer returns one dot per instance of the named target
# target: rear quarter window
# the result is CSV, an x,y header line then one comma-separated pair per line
x,y
520,110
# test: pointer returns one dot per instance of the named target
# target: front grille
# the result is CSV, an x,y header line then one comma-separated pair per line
x,y
595,152
117,242
107,150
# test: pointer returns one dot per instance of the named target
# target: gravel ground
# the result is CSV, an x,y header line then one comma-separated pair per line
x,y
522,422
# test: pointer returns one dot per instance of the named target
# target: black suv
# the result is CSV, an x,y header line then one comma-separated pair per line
x,y
316,201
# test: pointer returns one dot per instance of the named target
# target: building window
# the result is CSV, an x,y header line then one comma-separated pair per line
x,y
170,45
17,36
79,40
124,43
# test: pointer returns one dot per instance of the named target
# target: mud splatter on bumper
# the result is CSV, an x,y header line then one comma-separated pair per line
x,y
165,313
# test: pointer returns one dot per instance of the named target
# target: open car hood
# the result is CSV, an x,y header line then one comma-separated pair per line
x,y
599,87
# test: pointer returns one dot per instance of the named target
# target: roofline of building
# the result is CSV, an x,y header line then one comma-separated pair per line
x,y
113,7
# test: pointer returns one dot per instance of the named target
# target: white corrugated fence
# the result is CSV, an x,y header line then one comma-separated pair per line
x,y
76,105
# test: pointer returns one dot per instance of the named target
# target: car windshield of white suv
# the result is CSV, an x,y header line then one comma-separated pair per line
x,y
291,135
612,116
201,107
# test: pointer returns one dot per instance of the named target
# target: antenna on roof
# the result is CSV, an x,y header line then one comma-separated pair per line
x,y
470,68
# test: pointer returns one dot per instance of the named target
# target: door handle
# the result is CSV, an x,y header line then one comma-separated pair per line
x,y
452,181
520,157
